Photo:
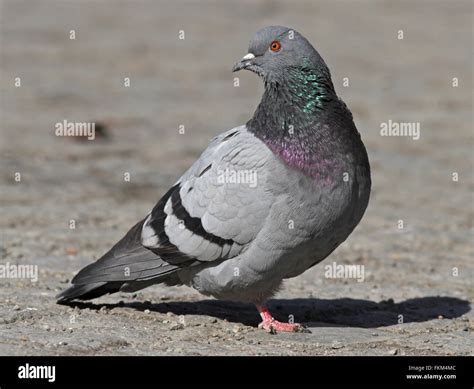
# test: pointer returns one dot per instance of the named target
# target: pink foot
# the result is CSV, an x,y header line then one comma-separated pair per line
x,y
271,325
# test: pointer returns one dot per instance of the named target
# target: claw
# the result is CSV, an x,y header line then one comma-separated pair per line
x,y
272,326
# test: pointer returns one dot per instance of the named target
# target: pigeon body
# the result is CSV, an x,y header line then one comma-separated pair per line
x,y
265,201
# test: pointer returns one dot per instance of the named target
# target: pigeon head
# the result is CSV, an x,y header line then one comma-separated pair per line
x,y
299,116
275,51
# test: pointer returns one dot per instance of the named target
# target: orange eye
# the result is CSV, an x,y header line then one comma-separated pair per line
x,y
275,46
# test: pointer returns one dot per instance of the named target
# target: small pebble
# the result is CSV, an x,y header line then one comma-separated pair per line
x,y
103,310
393,351
176,326
146,311
16,308
71,251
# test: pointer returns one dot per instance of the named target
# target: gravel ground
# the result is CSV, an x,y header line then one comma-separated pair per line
x,y
418,286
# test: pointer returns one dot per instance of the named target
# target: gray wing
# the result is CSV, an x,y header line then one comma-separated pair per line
x,y
212,213
218,206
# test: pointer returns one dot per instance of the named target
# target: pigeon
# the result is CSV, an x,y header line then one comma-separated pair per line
x,y
264,202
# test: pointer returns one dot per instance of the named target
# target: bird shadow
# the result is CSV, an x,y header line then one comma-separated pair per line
x,y
343,312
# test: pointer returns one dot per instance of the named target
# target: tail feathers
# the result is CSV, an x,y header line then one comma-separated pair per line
x,y
138,265
88,291
127,266
98,289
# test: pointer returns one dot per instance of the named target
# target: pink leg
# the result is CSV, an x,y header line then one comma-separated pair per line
x,y
271,325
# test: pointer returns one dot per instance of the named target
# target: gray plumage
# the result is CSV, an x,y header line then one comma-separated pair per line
x,y
307,187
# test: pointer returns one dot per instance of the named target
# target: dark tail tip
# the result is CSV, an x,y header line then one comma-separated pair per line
x,y
87,291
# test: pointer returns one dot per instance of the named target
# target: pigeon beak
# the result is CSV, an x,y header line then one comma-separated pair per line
x,y
244,62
